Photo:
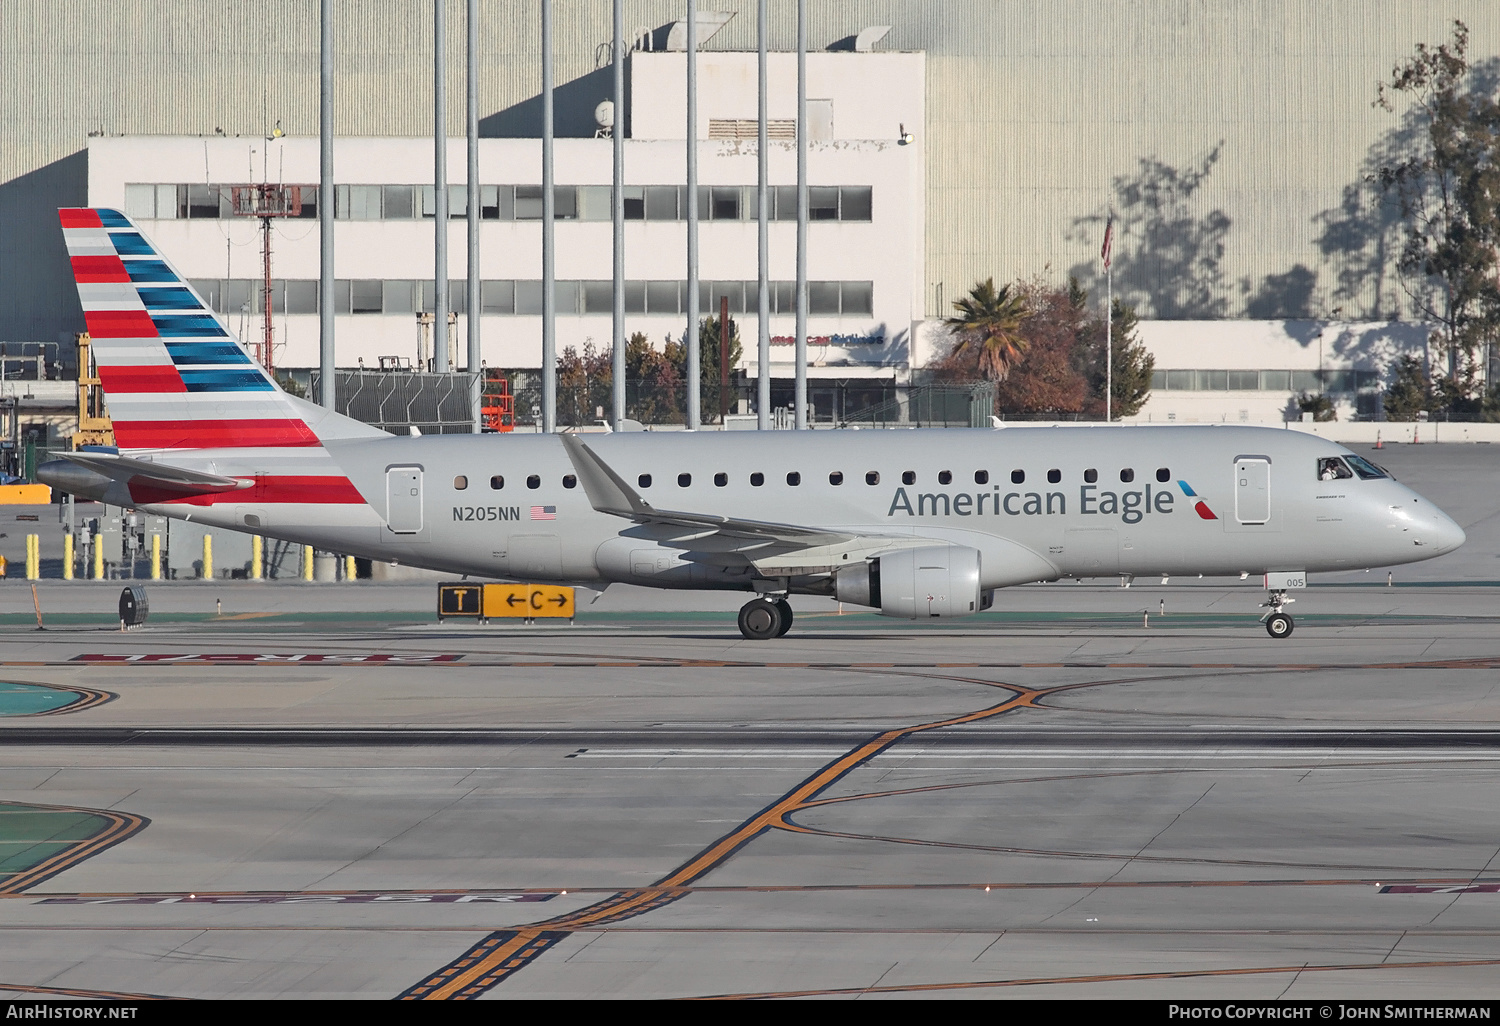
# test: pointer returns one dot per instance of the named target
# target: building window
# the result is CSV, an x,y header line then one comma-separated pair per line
x,y
366,297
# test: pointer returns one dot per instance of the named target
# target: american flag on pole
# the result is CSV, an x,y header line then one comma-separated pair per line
x,y
544,513
1109,239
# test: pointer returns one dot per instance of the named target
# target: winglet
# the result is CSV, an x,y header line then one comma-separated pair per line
x,y
607,491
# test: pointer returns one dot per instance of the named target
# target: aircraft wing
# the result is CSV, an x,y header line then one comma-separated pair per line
x,y
608,493
130,471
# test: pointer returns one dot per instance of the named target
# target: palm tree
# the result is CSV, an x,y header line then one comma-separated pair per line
x,y
991,319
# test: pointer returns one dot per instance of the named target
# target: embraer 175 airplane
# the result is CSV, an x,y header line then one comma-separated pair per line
x,y
915,524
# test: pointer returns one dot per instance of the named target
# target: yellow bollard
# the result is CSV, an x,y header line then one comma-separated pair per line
x,y
156,557
99,557
68,556
256,555
307,562
33,556
349,571
208,557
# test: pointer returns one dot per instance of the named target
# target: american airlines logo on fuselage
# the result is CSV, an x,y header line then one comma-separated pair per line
x,y
1131,507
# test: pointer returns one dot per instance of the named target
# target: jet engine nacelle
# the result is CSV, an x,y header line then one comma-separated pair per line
x,y
939,580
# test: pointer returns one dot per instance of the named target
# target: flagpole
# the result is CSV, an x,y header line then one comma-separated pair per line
x,y
1109,318
1109,343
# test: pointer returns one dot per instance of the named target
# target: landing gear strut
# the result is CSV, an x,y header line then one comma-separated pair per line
x,y
1278,623
764,618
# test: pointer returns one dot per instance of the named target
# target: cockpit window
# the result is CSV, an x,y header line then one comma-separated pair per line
x,y
1364,468
1331,468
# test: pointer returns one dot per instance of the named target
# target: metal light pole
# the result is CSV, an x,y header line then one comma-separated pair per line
x,y
439,192
617,212
327,394
800,402
549,257
763,243
690,338
471,297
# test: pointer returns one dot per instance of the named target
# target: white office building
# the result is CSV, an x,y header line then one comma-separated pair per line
x,y
865,239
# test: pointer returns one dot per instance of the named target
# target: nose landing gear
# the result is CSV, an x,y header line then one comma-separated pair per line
x,y
1278,623
764,618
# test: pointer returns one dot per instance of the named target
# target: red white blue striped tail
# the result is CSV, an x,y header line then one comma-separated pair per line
x,y
173,375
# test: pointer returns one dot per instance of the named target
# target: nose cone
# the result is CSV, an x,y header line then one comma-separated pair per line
x,y
1446,535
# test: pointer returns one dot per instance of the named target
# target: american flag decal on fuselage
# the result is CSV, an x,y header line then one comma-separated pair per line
x,y
544,513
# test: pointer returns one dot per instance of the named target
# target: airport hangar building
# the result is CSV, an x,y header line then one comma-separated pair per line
x,y
975,141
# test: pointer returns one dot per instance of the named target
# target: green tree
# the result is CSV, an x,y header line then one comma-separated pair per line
x,y
708,366
989,321
1132,366
1449,194
1319,405
1410,392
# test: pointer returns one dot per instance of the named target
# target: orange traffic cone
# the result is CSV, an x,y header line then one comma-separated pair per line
x,y
1378,443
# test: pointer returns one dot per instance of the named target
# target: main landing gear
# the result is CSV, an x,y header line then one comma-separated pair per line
x,y
1278,623
764,618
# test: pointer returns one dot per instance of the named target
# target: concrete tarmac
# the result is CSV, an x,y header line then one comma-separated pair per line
x,y
318,791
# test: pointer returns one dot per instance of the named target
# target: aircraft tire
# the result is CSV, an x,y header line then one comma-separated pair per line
x,y
786,616
1279,625
761,620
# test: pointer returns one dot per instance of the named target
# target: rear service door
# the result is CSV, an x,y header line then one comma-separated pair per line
x,y
403,499
1252,489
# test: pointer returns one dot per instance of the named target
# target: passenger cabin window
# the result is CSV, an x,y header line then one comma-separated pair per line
x,y
721,479
683,480
460,483
534,481
1018,477
757,479
908,477
644,480
1091,475
1127,475
794,478
1164,475
569,481
1331,468
945,477
836,478
872,477
497,482
981,477
1054,476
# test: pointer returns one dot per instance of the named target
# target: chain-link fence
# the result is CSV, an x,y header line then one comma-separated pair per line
x,y
397,400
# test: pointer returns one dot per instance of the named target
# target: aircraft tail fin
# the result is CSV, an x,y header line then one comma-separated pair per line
x,y
173,375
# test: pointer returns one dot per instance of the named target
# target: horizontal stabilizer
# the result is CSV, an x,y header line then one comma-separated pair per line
x,y
160,475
